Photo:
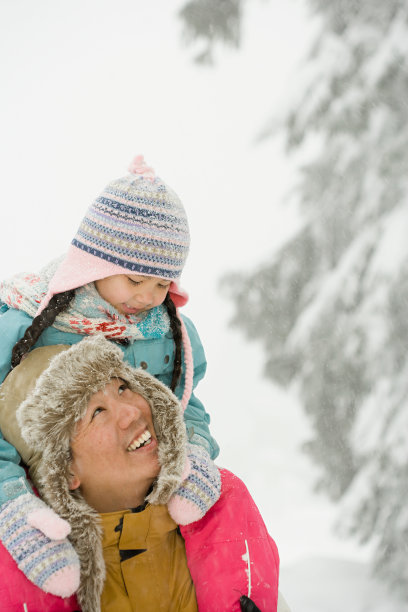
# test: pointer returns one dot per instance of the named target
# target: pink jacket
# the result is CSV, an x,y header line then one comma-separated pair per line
x,y
230,553
16,590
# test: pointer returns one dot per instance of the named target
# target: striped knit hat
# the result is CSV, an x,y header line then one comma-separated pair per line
x,y
136,226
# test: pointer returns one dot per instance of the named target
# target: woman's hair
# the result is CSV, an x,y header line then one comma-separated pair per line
x,y
60,301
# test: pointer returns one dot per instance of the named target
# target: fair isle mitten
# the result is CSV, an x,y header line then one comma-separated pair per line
x,y
35,536
200,489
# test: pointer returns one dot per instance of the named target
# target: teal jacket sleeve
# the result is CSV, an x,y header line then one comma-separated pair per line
x,y
196,418
13,324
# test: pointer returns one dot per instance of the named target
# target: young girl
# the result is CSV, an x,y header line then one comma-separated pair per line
x,y
119,278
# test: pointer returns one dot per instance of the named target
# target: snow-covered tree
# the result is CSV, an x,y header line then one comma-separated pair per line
x,y
208,22
331,307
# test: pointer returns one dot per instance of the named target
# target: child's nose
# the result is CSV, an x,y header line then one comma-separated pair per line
x,y
127,414
145,297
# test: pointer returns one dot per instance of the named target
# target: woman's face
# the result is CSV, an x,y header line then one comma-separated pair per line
x,y
114,449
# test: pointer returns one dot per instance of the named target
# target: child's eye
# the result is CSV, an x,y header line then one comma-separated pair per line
x,y
163,286
134,282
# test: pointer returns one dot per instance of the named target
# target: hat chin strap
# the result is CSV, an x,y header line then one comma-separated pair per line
x,y
189,365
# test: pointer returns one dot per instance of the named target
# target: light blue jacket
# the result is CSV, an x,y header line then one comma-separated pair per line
x,y
154,355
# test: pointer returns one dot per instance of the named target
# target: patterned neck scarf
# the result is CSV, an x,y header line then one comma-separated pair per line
x,y
88,313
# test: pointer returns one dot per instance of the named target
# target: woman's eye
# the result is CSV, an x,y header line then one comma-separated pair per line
x,y
96,412
122,388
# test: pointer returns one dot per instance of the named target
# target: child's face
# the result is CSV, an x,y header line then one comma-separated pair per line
x,y
131,293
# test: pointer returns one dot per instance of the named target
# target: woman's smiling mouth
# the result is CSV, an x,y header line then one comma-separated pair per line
x,y
143,440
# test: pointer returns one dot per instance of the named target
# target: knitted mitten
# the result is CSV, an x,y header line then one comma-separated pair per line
x,y
198,440
36,539
200,489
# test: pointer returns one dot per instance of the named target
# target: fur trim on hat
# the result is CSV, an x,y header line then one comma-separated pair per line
x,y
47,419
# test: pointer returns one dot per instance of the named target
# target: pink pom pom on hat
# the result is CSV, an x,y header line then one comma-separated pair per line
x,y
137,225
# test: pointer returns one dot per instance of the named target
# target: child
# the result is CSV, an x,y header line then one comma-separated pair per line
x,y
119,278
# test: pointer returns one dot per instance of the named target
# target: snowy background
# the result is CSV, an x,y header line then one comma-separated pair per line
x,y
85,86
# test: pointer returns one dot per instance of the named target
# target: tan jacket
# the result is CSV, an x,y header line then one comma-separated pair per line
x,y
146,566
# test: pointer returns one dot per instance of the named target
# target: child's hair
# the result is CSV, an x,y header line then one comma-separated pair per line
x,y
60,301
175,326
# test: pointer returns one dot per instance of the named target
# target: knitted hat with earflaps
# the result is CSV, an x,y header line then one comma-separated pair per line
x,y
137,225
48,416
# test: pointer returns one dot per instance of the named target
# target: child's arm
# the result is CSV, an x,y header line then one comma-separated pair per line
x,y
195,416
197,422
13,324
31,532
201,486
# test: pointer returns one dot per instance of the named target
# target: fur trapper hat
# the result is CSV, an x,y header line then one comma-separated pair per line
x,y
47,418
